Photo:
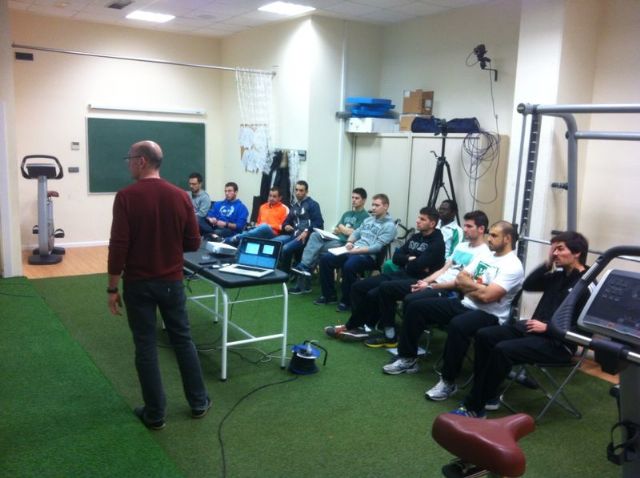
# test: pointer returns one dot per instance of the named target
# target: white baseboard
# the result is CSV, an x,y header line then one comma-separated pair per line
x,y
69,245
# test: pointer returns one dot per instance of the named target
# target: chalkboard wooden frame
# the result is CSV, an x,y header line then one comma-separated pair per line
x,y
109,139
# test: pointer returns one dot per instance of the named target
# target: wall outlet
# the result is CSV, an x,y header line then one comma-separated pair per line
x,y
75,146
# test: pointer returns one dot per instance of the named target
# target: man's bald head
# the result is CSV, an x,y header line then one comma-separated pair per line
x,y
150,150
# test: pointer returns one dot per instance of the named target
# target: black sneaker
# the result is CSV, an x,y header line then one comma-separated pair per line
x,y
342,307
322,300
381,341
157,425
297,290
201,412
358,334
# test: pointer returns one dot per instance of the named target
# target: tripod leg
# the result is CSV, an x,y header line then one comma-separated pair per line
x,y
453,192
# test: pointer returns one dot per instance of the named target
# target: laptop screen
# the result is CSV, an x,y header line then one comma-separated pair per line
x,y
258,253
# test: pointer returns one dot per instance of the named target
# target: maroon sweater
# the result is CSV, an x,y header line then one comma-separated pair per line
x,y
153,224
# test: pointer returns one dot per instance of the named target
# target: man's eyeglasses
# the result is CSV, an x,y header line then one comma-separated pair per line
x,y
129,158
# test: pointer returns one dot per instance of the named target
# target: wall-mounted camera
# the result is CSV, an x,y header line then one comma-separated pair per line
x,y
480,52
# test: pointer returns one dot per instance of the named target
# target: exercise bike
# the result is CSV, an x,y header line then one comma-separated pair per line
x,y
613,313
46,253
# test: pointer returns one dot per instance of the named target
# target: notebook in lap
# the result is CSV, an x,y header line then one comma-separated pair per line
x,y
326,234
256,258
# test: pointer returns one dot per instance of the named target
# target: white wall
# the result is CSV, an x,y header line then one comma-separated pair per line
x,y
430,53
10,257
546,51
609,201
308,91
53,91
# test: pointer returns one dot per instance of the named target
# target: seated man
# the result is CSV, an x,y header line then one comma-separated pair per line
x,y
421,254
451,231
489,284
199,197
318,244
225,218
447,224
304,216
359,254
498,348
271,218
442,283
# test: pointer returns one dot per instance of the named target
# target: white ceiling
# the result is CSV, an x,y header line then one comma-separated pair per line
x,y
217,18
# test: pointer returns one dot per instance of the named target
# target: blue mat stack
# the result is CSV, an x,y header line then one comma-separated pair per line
x,y
365,107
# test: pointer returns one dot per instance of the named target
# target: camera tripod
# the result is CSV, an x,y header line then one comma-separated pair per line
x,y
442,165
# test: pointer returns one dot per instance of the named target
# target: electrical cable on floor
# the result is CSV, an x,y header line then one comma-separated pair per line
x,y
244,397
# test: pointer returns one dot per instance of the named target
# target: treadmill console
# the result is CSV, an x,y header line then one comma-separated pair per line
x,y
613,309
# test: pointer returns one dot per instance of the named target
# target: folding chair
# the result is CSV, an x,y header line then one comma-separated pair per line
x,y
555,392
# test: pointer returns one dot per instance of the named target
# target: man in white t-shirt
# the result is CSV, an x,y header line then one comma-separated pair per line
x,y
442,283
489,284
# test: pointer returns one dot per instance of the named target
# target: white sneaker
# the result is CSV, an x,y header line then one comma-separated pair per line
x,y
441,391
401,365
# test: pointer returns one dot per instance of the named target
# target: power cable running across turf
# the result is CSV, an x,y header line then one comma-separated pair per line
x,y
222,454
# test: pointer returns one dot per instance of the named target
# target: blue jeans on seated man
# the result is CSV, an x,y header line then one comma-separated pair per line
x,y
352,265
290,245
262,231
142,298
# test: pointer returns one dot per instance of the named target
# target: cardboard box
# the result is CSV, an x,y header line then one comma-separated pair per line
x,y
406,121
372,125
418,102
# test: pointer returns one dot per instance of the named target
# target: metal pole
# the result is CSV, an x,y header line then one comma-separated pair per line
x,y
519,173
572,169
581,108
146,60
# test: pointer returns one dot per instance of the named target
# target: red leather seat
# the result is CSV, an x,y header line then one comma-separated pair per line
x,y
490,444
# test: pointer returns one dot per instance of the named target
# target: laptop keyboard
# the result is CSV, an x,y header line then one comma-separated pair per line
x,y
249,268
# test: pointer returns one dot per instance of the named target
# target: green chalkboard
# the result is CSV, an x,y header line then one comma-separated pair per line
x,y
109,141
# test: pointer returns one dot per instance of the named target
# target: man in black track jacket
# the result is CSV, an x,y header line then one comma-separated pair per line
x,y
420,256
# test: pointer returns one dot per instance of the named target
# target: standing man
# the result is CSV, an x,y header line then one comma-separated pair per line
x,y
373,300
153,224
499,348
199,197
489,284
319,244
304,216
225,218
451,231
359,254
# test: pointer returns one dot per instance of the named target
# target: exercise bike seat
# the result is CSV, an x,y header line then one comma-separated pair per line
x,y
490,444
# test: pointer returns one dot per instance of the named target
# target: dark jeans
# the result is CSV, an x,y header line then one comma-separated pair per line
x,y
206,228
351,264
373,300
462,324
500,347
141,299
289,247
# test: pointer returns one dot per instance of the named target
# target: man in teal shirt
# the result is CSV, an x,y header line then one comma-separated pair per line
x,y
317,244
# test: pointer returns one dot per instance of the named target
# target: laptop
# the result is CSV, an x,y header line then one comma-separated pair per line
x,y
255,258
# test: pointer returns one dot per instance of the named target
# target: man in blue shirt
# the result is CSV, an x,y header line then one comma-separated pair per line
x,y
225,218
